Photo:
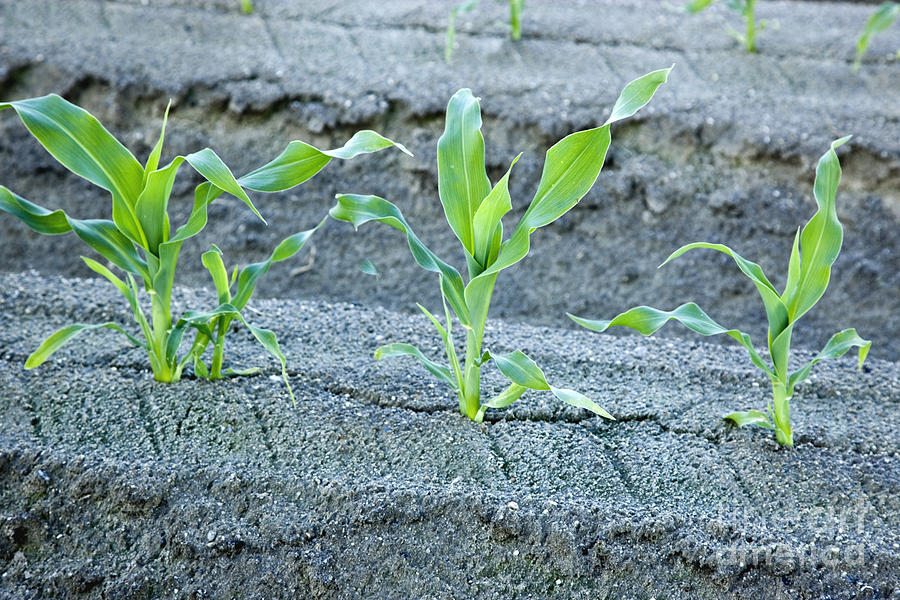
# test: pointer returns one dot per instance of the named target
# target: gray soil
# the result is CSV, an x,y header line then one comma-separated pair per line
x,y
114,486
726,152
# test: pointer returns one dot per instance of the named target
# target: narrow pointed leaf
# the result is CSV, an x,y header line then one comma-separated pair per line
x,y
36,217
369,268
462,178
153,203
300,161
62,336
110,276
793,270
821,238
486,222
523,371
883,17
509,395
207,163
104,237
358,210
156,153
438,370
212,260
647,321
750,417
637,94
839,344
776,311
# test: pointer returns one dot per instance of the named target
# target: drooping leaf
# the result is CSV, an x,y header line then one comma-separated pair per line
x,y
647,321
776,311
838,345
300,161
462,178
523,371
750,417
438,370
821,238
62,336
358,210
207,163
104,237
36,217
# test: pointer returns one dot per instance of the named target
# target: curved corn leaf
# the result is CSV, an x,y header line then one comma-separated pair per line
x,y
358,210
509,395
647,321
36,217
487,226
883,17
62,336
439,371
207,163
265,337
369,268
462,178
776,311
839,344
80,143
820,240
637,94
750,417
156,153
249,276
104,237
212,260
523,371
300,161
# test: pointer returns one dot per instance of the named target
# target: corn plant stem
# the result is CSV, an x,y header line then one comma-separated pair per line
x,y
750,17
215,368
782,413
472,377
162,323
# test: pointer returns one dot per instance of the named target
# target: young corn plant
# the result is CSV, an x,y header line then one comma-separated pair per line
x,y
474,210
747,9
883,17
139,238
816,247
515,23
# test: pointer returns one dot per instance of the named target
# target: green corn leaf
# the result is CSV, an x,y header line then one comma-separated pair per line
x,y
697,5
300,161
156,153
369,268
839,344
207,163
509,395
515,19
523,371
153,203
637,94
781,351
36,217
358,210
104,237
457,10
250,274
776,311
80,143
62,336
793,268
439,371
445,334
821,238
647,321
486,222
883,17
750,417
462,178
111,277
212,260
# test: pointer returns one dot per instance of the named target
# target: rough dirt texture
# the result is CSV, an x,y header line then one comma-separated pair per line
x,y
113,486
725,152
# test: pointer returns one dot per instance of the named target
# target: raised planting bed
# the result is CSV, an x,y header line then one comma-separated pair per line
x,y
115,486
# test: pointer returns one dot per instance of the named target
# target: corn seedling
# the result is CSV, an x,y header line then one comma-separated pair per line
x,y
816,247
138,240
474,211
883,17
515,23
247,7
747,9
